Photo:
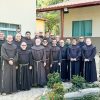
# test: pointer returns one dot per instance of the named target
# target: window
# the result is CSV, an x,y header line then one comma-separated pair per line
x,y
82,28
9,28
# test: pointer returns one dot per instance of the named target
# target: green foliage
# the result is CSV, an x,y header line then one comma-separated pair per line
x,y
52,2
56,29
43,98
89,97
53,96
93,85
57,92
73,89
42,3
52,79
53,18
52,23
54,82
58,88
78,81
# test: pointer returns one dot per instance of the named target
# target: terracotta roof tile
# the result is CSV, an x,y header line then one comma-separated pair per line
x,y
70,4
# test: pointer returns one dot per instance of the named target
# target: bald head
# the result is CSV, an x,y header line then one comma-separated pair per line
x,y
9,39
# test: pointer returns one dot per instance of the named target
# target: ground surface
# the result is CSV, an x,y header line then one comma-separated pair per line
x,y
24,95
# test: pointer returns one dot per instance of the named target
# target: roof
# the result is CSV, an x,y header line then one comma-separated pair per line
x,y
70,4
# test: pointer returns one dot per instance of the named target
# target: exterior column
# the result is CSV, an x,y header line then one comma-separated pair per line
x,y
62,23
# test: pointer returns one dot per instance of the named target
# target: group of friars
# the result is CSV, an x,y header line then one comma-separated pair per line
x,y
26,62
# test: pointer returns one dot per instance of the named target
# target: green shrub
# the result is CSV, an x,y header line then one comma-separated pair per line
x,y
51,95
58,88
73,89
90,97
57,92
95,85
78,81
91,85
52,79
54,96
43,98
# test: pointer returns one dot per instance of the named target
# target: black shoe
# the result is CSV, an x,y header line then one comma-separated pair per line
x,y
3,94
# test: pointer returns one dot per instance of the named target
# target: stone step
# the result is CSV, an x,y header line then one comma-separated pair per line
x,y
81,93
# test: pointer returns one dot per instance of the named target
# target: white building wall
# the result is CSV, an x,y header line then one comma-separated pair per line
x,y
21,12
86,13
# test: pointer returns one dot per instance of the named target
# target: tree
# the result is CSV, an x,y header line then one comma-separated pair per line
x,y
52,22
53,18
43,3
52,2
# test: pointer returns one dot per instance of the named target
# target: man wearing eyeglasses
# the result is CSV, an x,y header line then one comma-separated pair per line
x,y
24,67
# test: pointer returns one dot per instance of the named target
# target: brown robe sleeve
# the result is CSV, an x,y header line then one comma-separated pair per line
x,y
44,55
4,54
16,56
51,58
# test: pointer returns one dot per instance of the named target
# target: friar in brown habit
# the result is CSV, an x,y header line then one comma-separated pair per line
x,y
48,56
9,57
39,63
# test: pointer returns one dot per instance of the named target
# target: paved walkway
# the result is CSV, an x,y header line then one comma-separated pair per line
x,y
24,95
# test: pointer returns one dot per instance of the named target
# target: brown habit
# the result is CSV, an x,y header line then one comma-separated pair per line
x,y
8,84
39,57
